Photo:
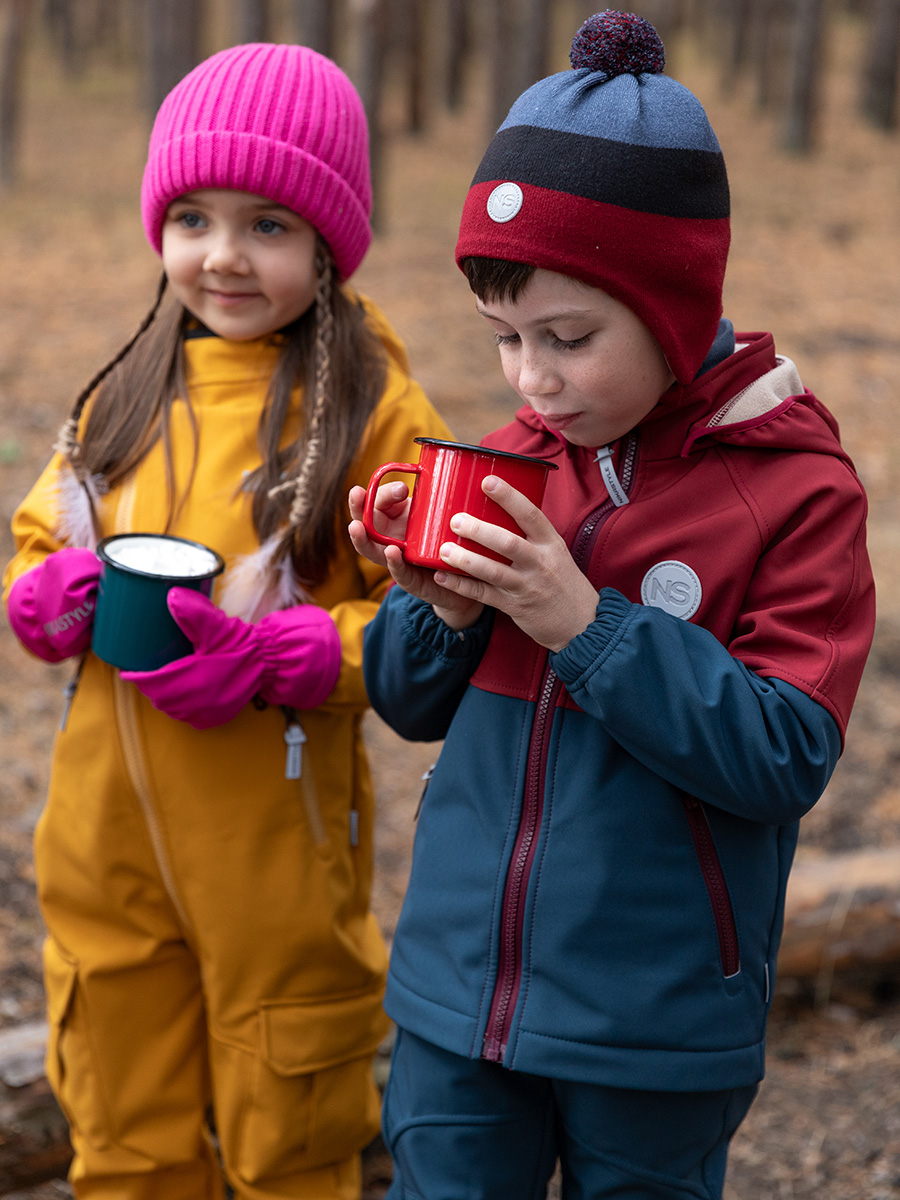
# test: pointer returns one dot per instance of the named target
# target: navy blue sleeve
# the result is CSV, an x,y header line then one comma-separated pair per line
x,y
416,668
674,698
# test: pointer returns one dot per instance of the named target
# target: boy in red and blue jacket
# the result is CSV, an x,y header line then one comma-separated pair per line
x,y
641,706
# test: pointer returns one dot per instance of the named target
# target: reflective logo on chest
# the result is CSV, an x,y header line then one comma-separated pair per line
x,y
674,587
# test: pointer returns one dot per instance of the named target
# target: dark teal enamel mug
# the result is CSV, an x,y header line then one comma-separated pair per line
x,y
133,628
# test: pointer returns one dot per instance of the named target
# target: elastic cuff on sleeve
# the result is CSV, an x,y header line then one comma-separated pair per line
x,y
586,652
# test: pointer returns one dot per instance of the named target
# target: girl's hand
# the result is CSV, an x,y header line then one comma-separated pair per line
x,y
391,512
542,589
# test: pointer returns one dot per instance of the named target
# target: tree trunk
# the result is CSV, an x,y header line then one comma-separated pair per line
x,y
880,65
503,66
535,42
316,22
457,41
410,21
374,40
253,21
806,70
738,14
60,17
172,37
13,23
767,51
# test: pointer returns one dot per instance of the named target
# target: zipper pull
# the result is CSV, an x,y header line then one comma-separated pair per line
x,y
610,478
295,737
69,695
354,827
426,779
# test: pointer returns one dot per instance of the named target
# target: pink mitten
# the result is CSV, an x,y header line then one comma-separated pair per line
x,y
51,607
291,657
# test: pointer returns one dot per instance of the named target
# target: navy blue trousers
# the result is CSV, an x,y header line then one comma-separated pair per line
x,y
466,1129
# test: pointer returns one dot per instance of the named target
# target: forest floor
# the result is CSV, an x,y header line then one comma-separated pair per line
x,y
814,258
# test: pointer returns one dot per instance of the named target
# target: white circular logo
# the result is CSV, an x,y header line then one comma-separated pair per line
x,y
504,202
674,587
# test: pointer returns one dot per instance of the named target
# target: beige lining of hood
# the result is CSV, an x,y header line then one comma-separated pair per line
x,y
761,396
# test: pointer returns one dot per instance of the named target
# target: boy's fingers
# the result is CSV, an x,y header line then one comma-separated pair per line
x,y
356,500
492,537
526,515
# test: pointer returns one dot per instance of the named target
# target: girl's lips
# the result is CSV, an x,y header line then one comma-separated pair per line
x,y
228,298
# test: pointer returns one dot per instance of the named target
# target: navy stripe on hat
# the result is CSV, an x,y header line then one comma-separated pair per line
x,y
651,179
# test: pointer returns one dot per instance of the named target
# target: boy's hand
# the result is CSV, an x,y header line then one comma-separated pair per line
x,y
542,589
391,511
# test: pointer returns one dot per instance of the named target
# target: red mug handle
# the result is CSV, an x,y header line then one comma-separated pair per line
x,y
369,509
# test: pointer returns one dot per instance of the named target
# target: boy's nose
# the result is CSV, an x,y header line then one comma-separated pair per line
x,y
537,377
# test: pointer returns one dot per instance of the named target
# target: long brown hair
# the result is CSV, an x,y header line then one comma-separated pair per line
x,y
329,351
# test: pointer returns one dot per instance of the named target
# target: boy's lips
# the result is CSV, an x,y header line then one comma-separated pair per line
x,y
559,420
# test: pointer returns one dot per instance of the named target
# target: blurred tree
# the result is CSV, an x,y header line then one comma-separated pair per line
x,y
60,21
768,40
503,68
315,24
409,19
536,22
374,39
805,73
253,21
881,64
457,43
14,16
172,39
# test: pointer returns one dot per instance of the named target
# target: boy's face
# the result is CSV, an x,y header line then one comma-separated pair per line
x,y
584,362
243,265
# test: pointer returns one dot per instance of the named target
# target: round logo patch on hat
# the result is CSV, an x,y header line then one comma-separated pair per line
x,y
504,202
674,587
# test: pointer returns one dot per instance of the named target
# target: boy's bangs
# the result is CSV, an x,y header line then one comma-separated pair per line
x,y
496,278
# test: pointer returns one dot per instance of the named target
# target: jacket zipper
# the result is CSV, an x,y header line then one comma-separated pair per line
x,y
714,878
512,914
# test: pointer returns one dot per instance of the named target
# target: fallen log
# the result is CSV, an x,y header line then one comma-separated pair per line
x,y
34,1137
842,913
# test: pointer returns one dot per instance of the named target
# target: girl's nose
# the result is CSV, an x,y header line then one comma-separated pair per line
x,y
225,255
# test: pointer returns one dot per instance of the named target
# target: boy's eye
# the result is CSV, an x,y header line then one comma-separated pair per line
x,y
575,344
506,339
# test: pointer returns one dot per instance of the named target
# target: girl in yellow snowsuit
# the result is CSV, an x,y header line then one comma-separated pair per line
x,y
210,949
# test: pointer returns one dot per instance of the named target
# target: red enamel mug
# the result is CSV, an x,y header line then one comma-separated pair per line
x,y
448,480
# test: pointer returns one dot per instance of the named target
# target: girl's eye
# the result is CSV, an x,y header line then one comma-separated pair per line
x,y
190,220
267,225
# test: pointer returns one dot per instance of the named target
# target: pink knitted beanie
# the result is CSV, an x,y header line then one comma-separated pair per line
x,y
277,120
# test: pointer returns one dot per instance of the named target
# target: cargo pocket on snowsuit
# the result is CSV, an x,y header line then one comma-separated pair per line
x,y
71,1064
311,1098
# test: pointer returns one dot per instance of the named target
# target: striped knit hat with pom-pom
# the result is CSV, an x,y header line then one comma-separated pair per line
x,y
610,173
280,121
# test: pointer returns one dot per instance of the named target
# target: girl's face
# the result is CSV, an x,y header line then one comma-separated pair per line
x,y
243,265
584,362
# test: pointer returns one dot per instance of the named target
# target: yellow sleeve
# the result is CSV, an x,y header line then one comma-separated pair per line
x,y
403,414
33,526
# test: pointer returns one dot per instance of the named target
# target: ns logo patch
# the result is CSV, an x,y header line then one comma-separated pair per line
x,y
674,587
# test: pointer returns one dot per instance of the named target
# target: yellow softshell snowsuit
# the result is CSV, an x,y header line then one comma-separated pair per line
x,y
210,941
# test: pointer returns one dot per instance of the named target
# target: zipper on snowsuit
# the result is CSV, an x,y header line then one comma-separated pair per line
x,y
512,914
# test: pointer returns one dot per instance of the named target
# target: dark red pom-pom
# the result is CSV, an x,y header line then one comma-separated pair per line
x,y
618,43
